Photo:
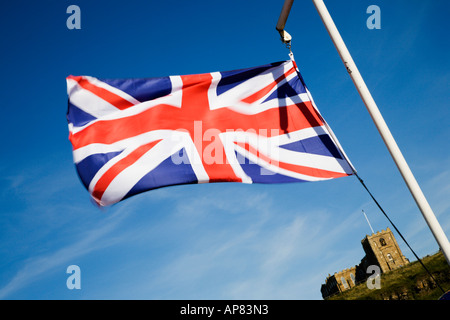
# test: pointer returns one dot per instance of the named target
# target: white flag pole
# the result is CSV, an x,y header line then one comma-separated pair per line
x,y
368,222
383,129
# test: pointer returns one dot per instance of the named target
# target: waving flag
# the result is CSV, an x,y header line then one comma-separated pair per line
x,y
256,125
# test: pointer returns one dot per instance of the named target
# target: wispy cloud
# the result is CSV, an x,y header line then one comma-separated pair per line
x,y
45,211
91,240
257,254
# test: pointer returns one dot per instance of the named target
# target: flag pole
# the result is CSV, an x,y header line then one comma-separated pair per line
x,y
384,131
285,37
368,222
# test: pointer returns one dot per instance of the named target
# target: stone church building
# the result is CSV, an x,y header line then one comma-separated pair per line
x,y
381,250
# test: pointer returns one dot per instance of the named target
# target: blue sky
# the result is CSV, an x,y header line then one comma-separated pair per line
x,y
215,241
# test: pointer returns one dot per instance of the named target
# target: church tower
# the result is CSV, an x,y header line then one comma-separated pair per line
x,y
382,249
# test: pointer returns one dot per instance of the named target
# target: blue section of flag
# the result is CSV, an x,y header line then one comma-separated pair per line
x,y
259,174
143,89
167,173
289,89
321,145
231,79
78,117
88,167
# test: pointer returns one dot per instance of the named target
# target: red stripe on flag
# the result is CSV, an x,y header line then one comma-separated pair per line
x,y
106,179
313,172
195,106
112,98
261,93
165,117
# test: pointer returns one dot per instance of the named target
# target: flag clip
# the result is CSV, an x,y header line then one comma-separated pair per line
x,y
285,36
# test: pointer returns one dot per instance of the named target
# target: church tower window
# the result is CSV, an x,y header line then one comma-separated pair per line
x,y
344,282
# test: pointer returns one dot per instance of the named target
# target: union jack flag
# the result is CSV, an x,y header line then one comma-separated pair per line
x,y
255,125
